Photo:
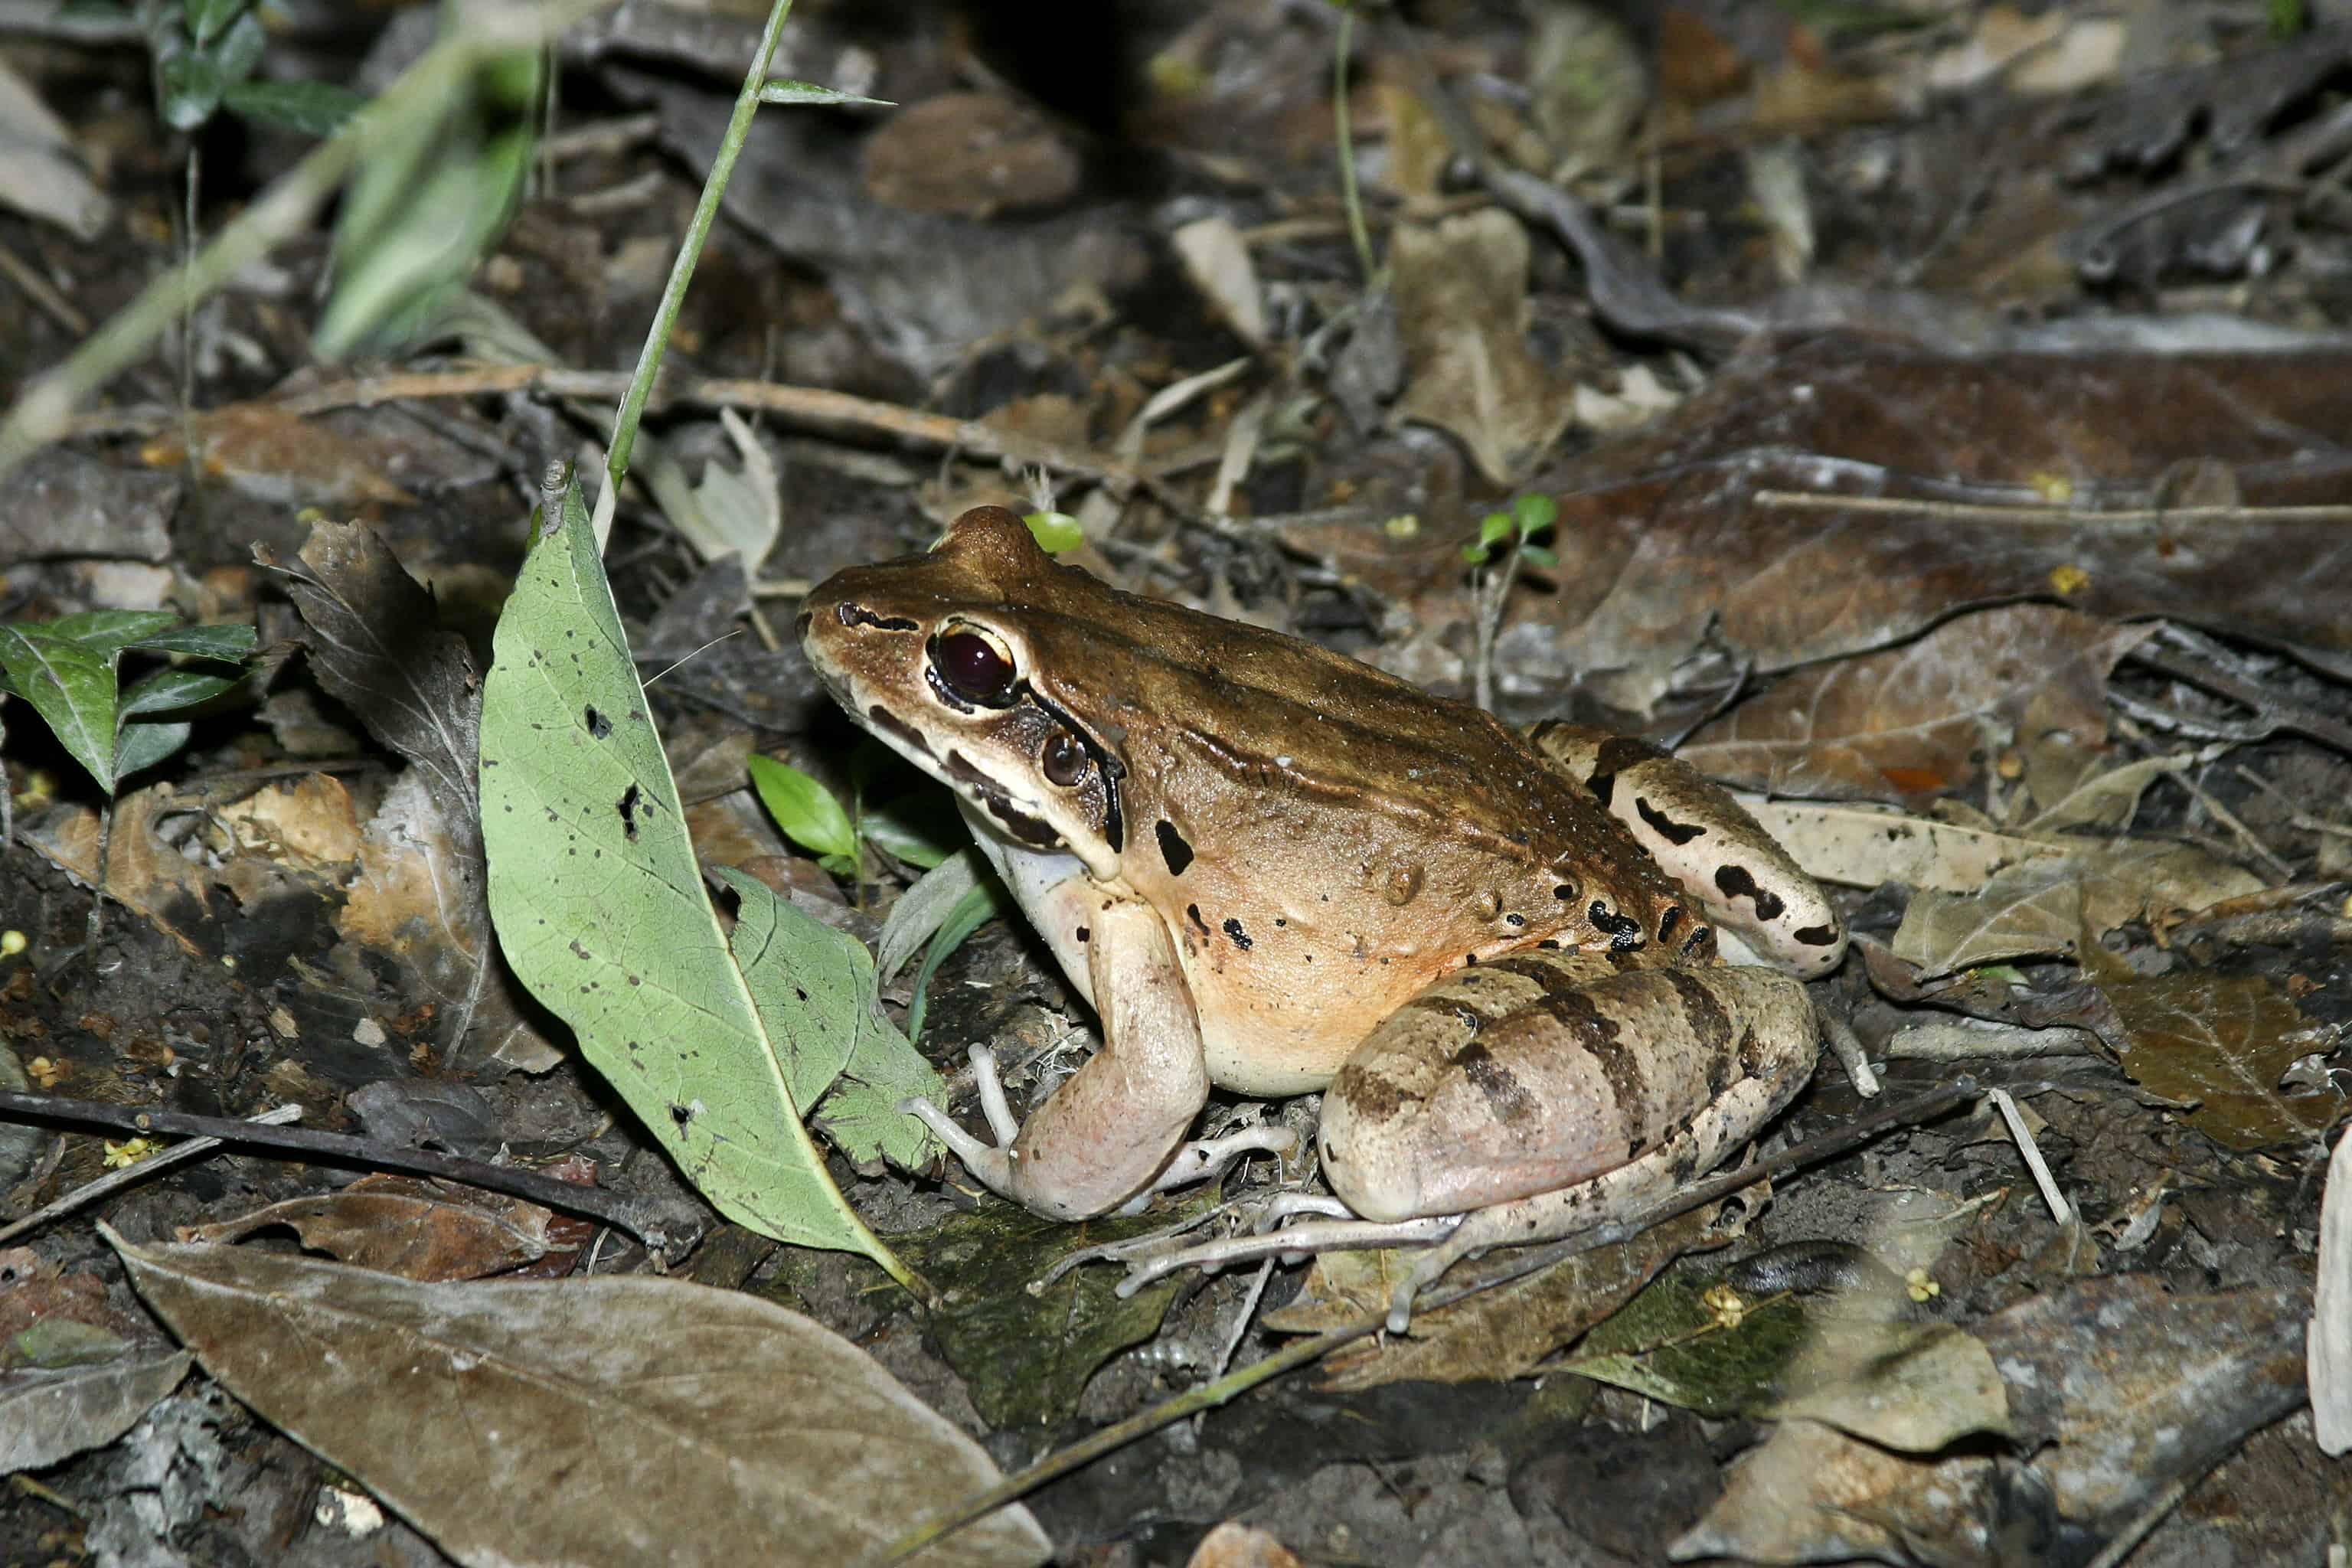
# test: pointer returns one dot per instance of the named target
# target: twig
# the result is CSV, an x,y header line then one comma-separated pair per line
x,y
2141,519
592,1203
113,1181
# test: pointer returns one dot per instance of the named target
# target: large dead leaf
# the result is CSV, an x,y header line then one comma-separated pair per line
x,y
1664,532
2220,1043
1915,721
610,1420
2132,1388
1461,298
2042,905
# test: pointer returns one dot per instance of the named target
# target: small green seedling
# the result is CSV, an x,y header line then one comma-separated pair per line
x,y
68,672
1529,516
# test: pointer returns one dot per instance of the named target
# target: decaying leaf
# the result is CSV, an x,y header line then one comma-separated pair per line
x,y
626,1419
2220,1043
1504,1332
1914,720
415,1229
2043,905
988,1329
1461,297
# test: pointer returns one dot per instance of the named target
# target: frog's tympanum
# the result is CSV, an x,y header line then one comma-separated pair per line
x,y
1274,869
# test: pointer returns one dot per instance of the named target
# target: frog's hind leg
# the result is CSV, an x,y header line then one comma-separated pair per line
x,y
1750,887
1553,1074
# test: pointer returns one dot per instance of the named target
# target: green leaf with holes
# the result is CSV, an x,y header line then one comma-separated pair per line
x,y
599,905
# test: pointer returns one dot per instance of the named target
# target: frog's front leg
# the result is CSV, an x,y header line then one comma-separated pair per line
x,y
1551,1077
1103,1136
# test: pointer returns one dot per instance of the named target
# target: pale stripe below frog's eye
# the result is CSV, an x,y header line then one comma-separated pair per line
x,y
974,666
1063,759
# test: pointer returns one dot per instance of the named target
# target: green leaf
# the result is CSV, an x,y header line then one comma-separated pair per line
x,y
802,807
922,827
971,911
925,907
784,89
809,982
238,53
429,198
205,18
1534,514
1495,528
305,108
142,745
598,902
171,691
1540,554
70,682
189,89
1054,531
114,630
227,641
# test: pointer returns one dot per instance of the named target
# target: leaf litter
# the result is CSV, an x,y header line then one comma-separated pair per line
x,y
1904,399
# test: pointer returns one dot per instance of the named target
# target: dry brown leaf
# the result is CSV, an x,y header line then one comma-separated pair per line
x,y
272,455
610,1420
1500,1333
1461,289
2222,1043
2041,905
415,1229
1662,533
1914,720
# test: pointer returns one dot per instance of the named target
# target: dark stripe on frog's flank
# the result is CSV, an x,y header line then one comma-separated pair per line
x,y
1735,882
1817,936
882,719
1375,1097
1232,927
1710,1030
1619,752
1173,848
1506,1096
1620,1061
1664,827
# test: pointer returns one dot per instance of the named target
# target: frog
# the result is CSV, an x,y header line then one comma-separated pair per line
x,y
1541,976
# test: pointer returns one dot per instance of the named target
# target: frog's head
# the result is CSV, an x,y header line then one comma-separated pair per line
x,y
935,654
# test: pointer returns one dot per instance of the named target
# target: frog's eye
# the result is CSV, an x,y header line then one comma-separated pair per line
x,y
974,665
1063,759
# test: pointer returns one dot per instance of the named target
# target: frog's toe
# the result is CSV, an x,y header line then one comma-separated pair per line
x,y
1209,1157
991,1166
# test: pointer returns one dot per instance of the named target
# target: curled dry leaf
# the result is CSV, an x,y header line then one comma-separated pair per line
x,y
1913,720
608,1420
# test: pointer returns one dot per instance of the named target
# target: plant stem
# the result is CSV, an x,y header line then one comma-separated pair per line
x,y
689,251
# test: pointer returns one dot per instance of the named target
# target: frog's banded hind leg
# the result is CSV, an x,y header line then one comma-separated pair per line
x,y
1115,1129
1553,1076
1707,843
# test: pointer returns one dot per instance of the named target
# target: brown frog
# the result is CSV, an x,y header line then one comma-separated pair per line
x,y
1274,870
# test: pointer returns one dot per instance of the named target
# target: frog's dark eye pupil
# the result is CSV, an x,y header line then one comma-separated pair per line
x,y
972,669
1065,759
